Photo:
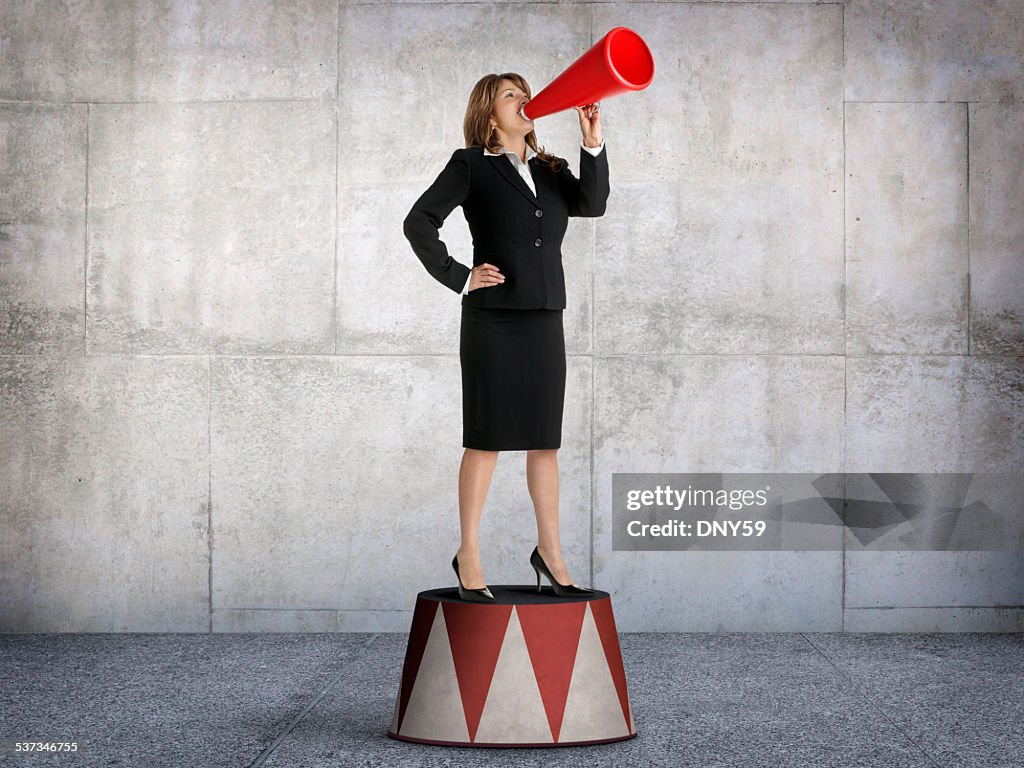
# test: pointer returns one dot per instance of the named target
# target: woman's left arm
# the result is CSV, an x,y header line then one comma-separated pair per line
x,y
588,195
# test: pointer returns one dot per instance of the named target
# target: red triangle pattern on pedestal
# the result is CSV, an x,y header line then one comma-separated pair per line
x,y
475,640
605,621
552,633
422,620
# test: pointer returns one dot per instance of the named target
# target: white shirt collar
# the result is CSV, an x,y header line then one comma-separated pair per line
x,y
529,153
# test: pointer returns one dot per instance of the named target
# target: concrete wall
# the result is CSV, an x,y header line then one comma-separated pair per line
x,y
231,394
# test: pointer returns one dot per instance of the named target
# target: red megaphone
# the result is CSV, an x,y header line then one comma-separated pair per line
x,y
618,62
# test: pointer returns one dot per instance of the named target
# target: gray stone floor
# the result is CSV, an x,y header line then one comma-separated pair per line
x,y
698,699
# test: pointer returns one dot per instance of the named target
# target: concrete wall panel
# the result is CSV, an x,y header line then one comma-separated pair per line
x,y
729,185
105,497
42,228
906,229
717,413
163,50
208,225
934,50
996,182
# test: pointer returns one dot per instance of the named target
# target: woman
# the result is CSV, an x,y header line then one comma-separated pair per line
x,y
517,199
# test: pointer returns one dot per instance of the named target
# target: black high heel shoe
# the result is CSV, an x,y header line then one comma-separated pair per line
x,y
482,595
562,590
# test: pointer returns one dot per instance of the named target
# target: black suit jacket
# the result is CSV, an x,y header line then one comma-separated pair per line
x,y
514,230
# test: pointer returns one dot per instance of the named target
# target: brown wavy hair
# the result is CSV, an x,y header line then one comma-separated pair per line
x,y
476,125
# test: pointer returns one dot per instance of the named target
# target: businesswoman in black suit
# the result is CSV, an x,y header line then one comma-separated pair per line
x,y
517,199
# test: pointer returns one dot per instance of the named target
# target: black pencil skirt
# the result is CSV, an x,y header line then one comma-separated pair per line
x,y
513,378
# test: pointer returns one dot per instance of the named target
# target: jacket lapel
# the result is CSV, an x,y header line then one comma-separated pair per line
x,y
505,168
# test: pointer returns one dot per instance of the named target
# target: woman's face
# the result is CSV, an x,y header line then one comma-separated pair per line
x,y
507,103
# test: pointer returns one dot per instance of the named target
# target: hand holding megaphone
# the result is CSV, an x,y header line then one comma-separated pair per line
x,y
618,62
590,124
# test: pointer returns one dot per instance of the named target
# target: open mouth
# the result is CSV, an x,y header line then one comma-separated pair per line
x,y
520,113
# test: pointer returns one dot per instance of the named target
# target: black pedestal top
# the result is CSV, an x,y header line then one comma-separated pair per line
x,y
512,594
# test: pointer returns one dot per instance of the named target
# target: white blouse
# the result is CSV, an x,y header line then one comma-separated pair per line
x,y
524,170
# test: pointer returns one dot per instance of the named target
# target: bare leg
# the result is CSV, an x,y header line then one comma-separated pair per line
x,y
542,480
474,481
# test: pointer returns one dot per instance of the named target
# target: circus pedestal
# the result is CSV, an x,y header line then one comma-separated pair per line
x,y
529,670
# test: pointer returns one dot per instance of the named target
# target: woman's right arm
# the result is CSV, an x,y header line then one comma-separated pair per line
x,y
421,225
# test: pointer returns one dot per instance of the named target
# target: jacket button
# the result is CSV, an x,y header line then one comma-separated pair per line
x,y
537,242
538,213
